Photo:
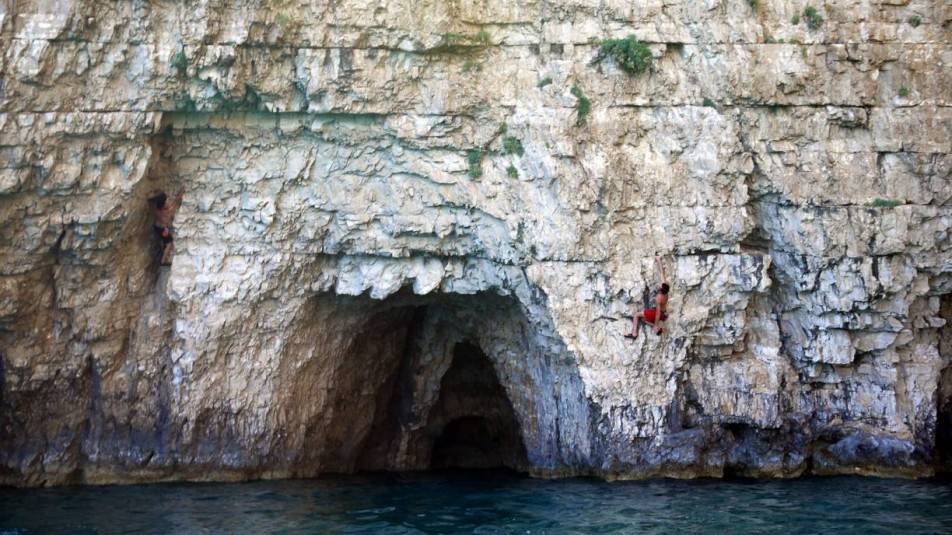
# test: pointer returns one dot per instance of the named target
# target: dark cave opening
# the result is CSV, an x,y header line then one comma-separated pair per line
x,y
943,433
427,393
943,424
470,442
476,424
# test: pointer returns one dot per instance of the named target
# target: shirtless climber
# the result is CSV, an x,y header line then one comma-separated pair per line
x,y
659,314
164,212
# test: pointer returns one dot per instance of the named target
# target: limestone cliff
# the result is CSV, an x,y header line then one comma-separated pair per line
x,y
412,231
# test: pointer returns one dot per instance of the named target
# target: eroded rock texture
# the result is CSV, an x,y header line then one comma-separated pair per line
x,y
371,275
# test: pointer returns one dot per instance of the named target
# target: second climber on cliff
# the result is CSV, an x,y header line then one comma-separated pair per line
x,y
164,213
659,314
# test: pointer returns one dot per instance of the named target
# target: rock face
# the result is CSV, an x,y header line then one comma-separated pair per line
x,y
405,244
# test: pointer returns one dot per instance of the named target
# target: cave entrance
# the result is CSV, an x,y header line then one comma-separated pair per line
x,y
444,406
943,425
433,382
473,421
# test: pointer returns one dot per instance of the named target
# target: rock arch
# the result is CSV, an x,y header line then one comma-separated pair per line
x,y
435,381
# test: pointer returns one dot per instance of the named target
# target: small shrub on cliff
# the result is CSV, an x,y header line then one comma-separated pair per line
x,y
545,81
914,21
471,65
584,104
180,62
903,91
512,145
475,160
754,3
482,37
512,171
814,19
283,19
885,203
631,55
709,103
795,19
453,38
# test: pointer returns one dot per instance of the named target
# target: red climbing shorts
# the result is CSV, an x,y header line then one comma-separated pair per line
x,y
650,315
164,234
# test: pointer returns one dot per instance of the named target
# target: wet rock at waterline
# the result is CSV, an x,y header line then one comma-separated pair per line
x,y
412,233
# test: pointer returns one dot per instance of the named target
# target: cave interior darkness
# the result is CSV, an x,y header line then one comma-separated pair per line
x,y
474,424
943,428
438,401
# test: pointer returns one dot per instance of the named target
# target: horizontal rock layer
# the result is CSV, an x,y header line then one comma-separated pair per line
x,y
370,275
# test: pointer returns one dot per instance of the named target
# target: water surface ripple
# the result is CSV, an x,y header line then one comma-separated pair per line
x,y
486,504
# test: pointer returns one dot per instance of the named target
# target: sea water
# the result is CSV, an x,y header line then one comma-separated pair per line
x,y
484,503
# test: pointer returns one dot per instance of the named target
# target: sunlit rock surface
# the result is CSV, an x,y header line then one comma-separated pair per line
x,y
366,279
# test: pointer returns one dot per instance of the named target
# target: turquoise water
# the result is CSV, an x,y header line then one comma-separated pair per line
x,y
487,503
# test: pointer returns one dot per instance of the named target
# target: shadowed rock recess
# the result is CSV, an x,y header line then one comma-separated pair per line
x,y
412,232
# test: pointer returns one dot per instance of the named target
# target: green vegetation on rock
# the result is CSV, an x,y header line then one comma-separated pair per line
x,y
512,145
453,38
814,19
545,81
584,104
180,61
884,203
631,55
471,65
512,171
475,160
